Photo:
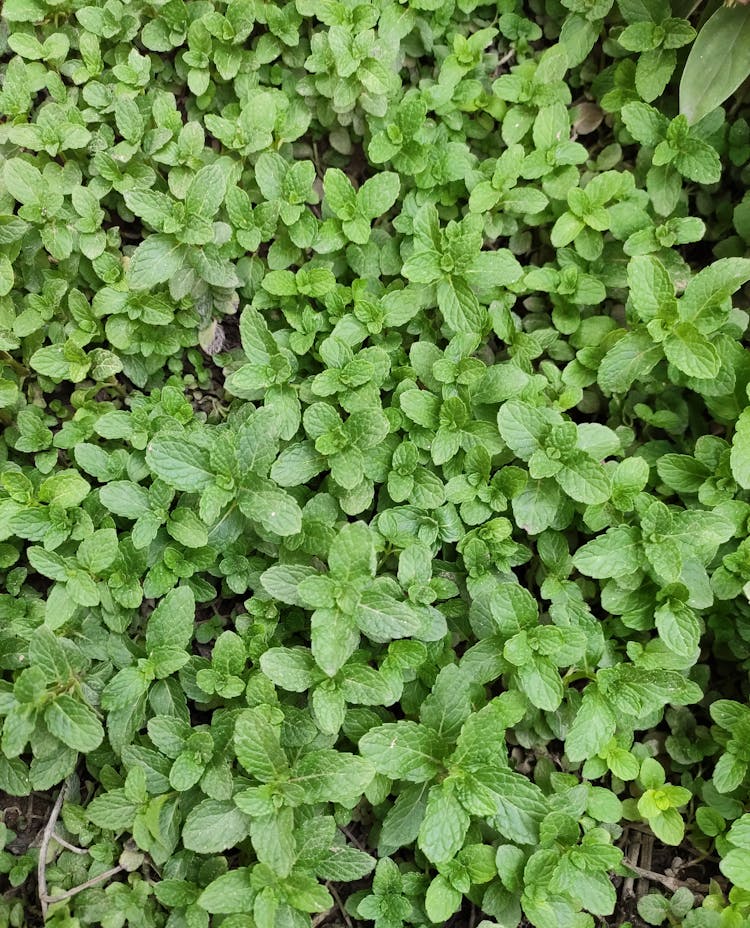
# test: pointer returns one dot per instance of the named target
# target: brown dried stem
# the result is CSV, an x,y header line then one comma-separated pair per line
x,y
45,900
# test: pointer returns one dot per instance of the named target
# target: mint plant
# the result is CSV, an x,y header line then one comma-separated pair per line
x,y
374,464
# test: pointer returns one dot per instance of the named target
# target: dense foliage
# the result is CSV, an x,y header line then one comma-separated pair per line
x,y
375,471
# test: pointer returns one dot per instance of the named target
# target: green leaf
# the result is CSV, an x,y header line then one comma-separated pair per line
x,y
282,582
719,61
25,11
592,728
514,803
740,457
158,258
339,193
229,893
378,194
74,724
352,552
460,307
207,190
403,751
14,776
257,745
441,900
22,179
540,681
345,864
566,229
668,826
476,743
616,553
97,552
445,823
112,810
522,427
306,894
739,833
333,776
213,826
422,267
297,464
125,498
704,302
584,480
682,472
274,842
496,268
383,618
172,622
679,628
125,689
185,526
6,276
449,704
179,463
736,867
690,351
651,287
402,821
634,356
275,510
729,773
334,638
292,669
329,708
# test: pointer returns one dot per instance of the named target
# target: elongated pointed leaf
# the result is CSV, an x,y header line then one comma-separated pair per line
x,y
719,61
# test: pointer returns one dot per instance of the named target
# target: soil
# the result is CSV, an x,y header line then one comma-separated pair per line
x,y
26,816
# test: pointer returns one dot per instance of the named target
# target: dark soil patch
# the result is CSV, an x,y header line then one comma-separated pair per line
x,y
26,816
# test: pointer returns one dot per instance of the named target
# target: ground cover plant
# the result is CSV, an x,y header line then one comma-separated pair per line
x,y
375,466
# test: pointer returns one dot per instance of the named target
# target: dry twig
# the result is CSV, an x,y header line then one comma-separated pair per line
x,y
320,918
41,873
632,859
669,882
339,904
353,838
68,846
647,850
500,66
45,900
108,874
